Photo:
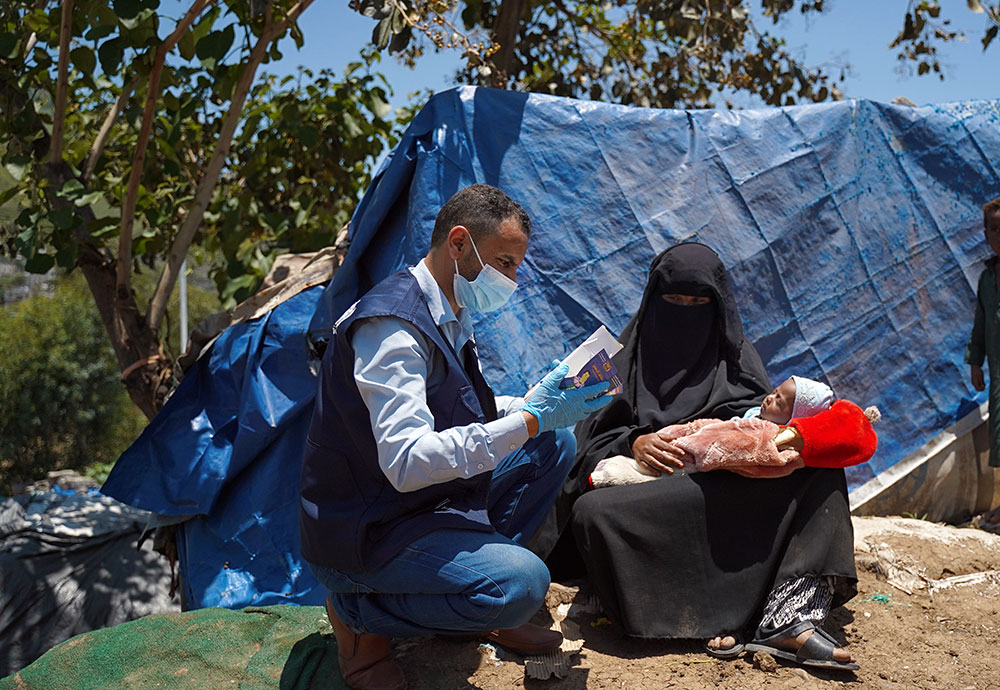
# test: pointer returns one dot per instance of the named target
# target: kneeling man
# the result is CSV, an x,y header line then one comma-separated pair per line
x,y
420,488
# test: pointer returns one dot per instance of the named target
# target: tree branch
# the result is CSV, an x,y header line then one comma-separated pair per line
x,y
59,116
109,121
591,26
135,175
203,195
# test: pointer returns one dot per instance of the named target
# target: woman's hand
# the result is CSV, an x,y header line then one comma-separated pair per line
x,y
656,454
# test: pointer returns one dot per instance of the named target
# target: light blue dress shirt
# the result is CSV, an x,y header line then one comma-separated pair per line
x,y
393,368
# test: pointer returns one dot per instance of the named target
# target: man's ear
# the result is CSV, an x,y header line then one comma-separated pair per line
x,y
458,240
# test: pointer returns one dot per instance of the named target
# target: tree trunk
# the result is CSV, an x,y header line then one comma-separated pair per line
x,y
146,369
505,31
133,341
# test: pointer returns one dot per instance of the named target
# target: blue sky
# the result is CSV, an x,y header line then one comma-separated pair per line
x,y
851,32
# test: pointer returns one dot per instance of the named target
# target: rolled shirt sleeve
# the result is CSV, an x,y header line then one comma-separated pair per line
x,y
391,370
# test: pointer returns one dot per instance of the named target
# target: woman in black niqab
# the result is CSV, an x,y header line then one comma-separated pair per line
x,y
697,555
679,362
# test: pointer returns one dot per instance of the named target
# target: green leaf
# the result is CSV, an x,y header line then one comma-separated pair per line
x,y
103,227
138,20
235,285
400,40
88,199
216,44
9,45
382,33
990,35
72,189
66,255
39,263
308,136
226,80
110,54
83,59
62,218
9,194
377,105
17,166
975,6
186,46
205,24
290,113
398,22
27,238
376,9
127,9
38,20
99,31
351,127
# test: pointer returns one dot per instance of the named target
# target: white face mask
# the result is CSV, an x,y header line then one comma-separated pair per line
x,y
488,292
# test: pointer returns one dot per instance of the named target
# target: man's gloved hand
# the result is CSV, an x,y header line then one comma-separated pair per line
x,y
556,407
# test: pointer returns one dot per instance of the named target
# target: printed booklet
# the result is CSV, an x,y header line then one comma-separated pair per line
x,y
590,363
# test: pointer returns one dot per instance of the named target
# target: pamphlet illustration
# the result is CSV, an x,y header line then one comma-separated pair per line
x,y
590,363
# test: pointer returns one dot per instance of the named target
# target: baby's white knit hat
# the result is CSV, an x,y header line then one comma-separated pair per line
x,y
811,397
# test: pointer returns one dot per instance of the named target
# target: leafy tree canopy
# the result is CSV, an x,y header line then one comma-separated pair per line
x,y
136,139
678,53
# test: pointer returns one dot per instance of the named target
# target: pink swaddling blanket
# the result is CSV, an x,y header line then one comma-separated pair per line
x,y
744,446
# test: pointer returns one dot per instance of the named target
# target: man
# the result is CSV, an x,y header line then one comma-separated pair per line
x,y
419,487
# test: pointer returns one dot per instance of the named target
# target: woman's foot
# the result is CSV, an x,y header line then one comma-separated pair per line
x,y
813,647
723,644
724,647
992,517
793,644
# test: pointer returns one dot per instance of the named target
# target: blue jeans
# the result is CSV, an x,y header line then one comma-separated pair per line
x,y
455,580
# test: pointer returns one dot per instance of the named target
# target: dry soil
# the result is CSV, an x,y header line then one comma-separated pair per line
x,y
925,618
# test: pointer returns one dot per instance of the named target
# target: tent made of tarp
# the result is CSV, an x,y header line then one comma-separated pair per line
x,y
852,232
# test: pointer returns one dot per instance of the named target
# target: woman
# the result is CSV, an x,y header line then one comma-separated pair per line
x,y
708,555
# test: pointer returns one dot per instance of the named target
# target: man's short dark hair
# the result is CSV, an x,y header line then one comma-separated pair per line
x,y
481,209
990,209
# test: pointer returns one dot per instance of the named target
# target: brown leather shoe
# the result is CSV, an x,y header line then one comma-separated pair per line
x,y
526,639
364,659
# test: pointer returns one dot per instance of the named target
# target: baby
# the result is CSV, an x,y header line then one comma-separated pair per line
x,y
749,445
796,396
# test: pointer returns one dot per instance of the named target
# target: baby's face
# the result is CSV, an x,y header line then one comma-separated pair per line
x,y
777,406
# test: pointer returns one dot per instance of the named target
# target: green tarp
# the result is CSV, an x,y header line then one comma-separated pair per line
x,y
286,647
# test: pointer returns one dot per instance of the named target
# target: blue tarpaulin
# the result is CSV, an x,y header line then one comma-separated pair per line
x,y
852,232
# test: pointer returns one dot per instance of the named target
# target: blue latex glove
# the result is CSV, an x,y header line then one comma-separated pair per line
x,y
556,408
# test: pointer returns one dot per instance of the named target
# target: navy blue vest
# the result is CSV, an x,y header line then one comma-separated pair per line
x,y
351,518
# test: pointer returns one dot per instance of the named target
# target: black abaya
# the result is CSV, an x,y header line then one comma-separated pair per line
x,y
696,555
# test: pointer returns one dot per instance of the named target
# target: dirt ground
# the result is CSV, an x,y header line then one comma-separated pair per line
x,y
925,618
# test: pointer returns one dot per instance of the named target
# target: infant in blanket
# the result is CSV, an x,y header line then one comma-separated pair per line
x,y
750,445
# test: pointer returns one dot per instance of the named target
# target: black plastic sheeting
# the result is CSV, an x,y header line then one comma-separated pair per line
x,y
69,564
